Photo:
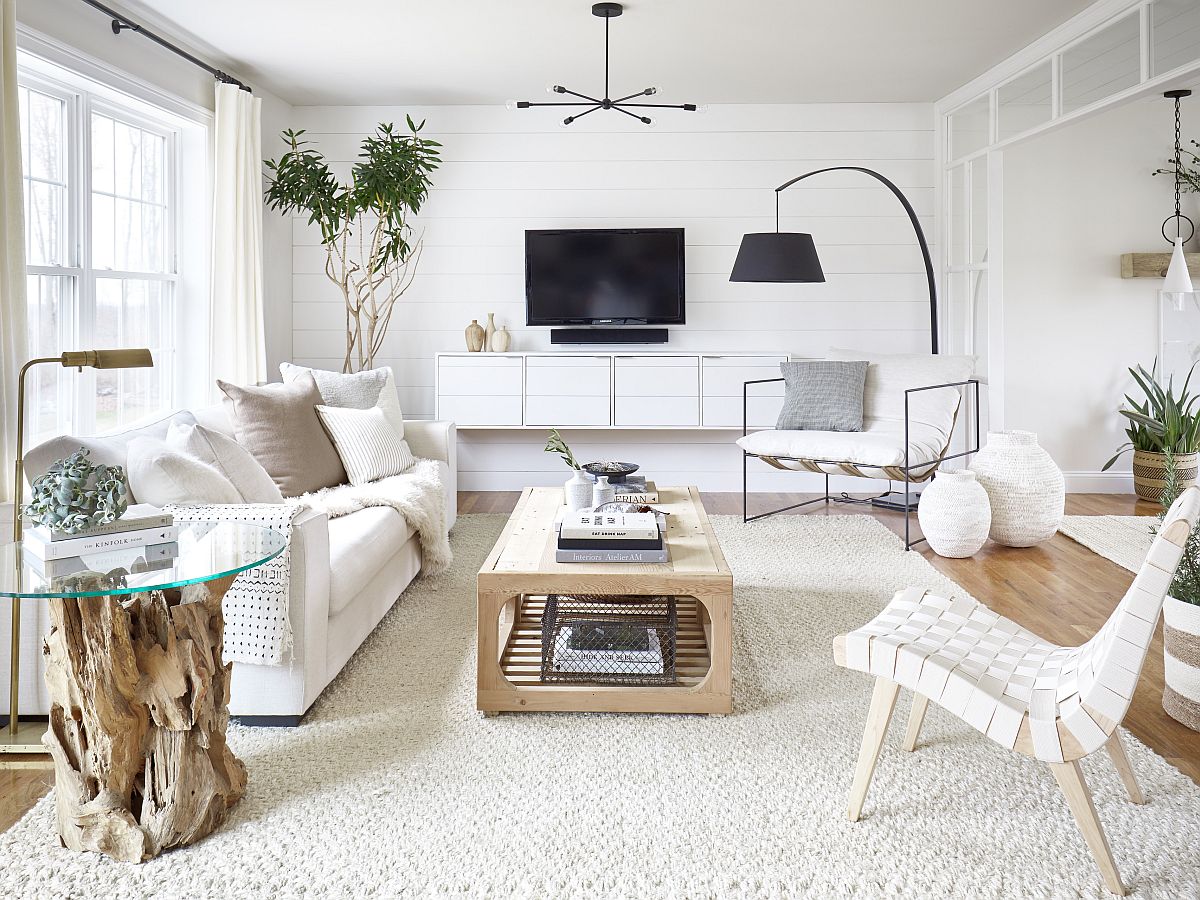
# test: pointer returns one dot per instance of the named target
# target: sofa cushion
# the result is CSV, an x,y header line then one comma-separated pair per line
x,y
163,476
880,443
278,424
229,458
366,442
355,390
359,545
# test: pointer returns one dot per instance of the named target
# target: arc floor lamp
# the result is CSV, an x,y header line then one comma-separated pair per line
x,y
28,739
789,257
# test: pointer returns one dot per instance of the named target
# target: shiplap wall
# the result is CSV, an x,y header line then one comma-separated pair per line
x,y
713,174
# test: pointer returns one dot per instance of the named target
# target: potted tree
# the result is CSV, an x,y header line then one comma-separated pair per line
x,y
370,253
1164,422
1181,618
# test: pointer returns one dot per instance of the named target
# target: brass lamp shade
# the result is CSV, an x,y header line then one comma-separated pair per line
x,y
138,358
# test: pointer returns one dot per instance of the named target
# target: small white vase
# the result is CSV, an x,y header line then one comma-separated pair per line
x,y
955,514
578,491
1181,658
602,491
1025,487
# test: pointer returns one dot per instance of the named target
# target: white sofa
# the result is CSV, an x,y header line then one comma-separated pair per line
x,y
345,575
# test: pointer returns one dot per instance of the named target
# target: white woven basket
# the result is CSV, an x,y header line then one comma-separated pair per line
x,y
1025,487
955,514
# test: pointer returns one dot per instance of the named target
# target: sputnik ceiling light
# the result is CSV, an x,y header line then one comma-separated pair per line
x,y
605,11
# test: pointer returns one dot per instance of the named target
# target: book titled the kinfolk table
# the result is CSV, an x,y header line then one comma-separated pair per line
x,y
37,545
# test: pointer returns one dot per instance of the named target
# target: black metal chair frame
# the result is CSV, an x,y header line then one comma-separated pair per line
x,y
907,468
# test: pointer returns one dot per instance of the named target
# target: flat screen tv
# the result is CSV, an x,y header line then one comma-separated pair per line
x,y
604,276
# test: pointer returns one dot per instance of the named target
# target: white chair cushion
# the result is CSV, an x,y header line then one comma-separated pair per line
x,y
889,376
161,475
880,443
360,544
229,458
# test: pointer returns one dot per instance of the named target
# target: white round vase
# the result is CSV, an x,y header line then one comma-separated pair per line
x,y
1025,487
578,491
955,514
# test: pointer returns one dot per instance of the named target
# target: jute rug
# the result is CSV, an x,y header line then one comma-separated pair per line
x,y
395,787
1123,539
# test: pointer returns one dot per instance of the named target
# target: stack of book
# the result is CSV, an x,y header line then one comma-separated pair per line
x,y
142,540
636,489
611,537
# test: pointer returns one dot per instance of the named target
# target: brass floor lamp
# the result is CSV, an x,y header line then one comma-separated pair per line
x,y
28,738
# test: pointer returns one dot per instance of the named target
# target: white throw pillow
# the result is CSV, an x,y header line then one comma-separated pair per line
x,y
228,457
160,475
369,446
357,390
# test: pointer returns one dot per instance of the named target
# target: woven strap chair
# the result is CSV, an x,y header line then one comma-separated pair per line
x,y
1055,704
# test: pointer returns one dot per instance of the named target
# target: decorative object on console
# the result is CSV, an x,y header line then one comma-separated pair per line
x,y
475,336
366,442
1024,486
617,472
791,257
488,331
822,395
501,340
278,424
578,489
1164,421
955,514
76,496
602,491
605,11
388,185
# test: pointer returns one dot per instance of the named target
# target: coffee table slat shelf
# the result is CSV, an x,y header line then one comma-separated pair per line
x,y
521,570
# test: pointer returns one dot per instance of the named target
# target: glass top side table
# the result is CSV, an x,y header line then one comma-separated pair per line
x,y
138,688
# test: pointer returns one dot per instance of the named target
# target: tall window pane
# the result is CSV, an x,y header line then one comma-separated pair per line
x,y
43,168
129,197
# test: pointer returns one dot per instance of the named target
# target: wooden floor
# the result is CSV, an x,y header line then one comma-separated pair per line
x,y
1059,589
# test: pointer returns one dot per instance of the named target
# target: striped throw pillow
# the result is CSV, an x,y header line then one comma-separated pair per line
x,y
367,443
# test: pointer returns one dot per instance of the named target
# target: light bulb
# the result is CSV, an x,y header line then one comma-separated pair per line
x,y
566,123
510,104
701,108
555,89
650,91
648,122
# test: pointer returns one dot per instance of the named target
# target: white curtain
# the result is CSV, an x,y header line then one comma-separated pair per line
x,y
14,340
237,341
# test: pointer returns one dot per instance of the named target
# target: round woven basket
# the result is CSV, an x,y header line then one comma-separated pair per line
x,y
1150,472
1181,658
1024,486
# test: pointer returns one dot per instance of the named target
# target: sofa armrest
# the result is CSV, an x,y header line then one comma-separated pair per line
x,y
438,440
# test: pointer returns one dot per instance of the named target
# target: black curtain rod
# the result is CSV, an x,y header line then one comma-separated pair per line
x,y
121,22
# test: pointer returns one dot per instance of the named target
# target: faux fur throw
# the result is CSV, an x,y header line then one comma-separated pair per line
x,y
416,494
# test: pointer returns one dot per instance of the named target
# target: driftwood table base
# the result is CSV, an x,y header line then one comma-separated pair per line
x,y
139,708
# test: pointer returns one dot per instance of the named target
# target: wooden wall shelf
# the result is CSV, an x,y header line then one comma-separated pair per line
x,y
1154,265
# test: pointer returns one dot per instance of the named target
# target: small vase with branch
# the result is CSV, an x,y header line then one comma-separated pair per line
x,y
365,223
577,492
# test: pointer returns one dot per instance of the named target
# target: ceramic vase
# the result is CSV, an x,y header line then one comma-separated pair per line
x,y
1181,659
602,491
1150,472
1024,486
500,340
578,491
474,336
488,331
955,514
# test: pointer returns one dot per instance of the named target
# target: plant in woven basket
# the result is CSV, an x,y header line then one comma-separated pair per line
x,y
365,224
556,444
75,495
1186,586
1164,421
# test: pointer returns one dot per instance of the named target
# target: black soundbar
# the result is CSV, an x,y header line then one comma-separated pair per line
x,y
608,336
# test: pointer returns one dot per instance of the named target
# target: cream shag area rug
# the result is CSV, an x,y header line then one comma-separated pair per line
x,y
395,787
1124,539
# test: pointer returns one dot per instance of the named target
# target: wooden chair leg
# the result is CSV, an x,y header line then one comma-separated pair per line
x,y
1116,750
883,702
916,718
1070,779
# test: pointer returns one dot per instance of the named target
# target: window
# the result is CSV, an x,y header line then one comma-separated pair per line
x,y
100,178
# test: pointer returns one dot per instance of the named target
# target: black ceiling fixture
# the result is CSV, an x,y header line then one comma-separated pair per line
x,y
605,11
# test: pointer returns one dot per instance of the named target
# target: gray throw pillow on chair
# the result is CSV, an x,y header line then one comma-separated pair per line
x,y
822,395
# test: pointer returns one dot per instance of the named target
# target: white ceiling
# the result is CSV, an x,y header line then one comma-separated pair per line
x,y
366,52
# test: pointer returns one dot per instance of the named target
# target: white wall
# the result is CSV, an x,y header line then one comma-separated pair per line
x,y
713,174
1075,199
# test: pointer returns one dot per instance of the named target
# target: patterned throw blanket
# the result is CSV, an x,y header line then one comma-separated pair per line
x,y
258,629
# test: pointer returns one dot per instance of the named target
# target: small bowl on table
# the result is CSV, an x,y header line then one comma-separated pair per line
x,y
617,472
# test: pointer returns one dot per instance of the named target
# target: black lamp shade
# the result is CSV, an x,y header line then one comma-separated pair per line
x,y
777,256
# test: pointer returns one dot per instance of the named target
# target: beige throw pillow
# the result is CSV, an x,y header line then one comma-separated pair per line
x,y
367,443
278,424
228,457
357,390
161,475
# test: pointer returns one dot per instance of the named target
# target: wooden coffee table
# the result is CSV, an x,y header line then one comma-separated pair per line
x,y
521,570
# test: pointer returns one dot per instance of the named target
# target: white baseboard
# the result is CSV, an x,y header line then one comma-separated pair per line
x,y
1099,482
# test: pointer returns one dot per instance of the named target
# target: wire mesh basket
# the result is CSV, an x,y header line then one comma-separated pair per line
x,y
594,639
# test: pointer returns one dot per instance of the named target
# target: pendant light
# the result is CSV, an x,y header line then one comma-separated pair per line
x,y
1178,282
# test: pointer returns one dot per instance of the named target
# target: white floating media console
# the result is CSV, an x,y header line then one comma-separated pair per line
x,y
606,390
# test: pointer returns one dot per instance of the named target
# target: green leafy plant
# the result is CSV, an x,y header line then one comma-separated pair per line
x,y
1189,169
556,444
75,495
370,252
1164,421
1186,586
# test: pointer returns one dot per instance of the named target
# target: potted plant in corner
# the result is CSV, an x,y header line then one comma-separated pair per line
x,y
1165,423
1181,620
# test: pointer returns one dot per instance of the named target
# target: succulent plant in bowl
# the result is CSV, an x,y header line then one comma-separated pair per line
x,y
75,495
